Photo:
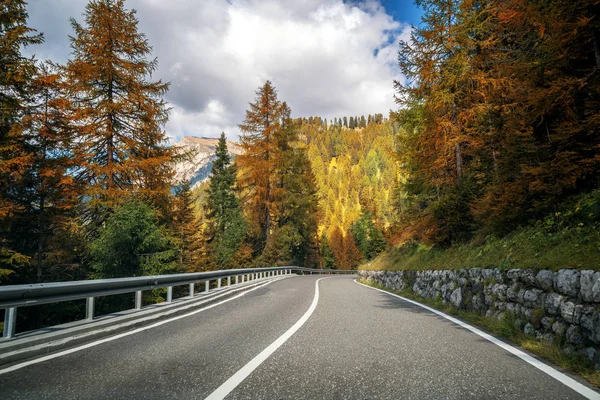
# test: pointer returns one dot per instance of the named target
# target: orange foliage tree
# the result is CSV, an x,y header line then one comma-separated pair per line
x,y
119,114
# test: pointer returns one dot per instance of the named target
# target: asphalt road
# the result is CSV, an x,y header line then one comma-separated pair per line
x,y
358,344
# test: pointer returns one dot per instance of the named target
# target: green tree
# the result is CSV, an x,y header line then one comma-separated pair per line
x,y
132,243
227,225
369,239
327,258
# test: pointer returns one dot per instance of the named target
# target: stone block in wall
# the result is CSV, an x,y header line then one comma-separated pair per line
x,y
488,274
499,292
528,277
512,292
590,286
567,282
456,298
571,312
514,275
474,273
521,296
590,323
554,302
477,303
534,298
545,280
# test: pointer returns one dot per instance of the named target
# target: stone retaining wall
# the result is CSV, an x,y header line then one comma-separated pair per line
x,y
561,307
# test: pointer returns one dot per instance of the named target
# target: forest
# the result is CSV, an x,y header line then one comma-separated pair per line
x,y
496,132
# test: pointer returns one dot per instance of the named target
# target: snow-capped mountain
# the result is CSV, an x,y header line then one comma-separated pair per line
x,y
201,151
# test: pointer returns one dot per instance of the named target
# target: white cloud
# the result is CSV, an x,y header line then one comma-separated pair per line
x,y
326,57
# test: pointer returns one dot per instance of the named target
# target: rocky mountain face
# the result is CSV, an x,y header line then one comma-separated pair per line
x,y
200,151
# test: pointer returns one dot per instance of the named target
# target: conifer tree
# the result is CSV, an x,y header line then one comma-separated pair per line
x,y
258,160
186,225
16,73
49,193
119,112
227,225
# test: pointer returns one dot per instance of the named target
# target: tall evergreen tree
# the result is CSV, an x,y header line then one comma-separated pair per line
x,y
258,160
227,225
296,203
119,113
16,73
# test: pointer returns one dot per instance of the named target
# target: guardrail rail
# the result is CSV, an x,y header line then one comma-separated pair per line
x,y
14,296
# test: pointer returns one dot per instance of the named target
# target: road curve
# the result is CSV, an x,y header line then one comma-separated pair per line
x,y
357,344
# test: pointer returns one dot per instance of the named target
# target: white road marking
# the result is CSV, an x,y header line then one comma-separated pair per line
x,y
559,376
109,339
237,378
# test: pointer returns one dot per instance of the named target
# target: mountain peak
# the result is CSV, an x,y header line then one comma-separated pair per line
x,y
196,168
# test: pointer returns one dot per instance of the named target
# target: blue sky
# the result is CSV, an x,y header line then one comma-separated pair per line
x,y
403,10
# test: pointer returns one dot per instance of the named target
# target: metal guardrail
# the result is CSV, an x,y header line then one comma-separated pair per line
x,y
14,296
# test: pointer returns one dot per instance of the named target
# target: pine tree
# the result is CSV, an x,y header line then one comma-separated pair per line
x,y
119,113
295,199
227,225
16,74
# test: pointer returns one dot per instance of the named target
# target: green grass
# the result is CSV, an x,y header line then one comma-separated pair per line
x,y
529,247
568,238
508,330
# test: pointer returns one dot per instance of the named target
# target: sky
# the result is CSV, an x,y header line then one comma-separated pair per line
x,y
328,58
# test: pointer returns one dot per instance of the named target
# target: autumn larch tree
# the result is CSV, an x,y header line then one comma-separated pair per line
x,y
258,159
185,225
119,112
16,73
49,193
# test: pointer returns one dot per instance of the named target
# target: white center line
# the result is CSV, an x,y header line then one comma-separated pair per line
x,y
562,378
237,378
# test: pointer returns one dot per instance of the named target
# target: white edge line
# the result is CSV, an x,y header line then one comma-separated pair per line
x,y
120,335
559,376
230,384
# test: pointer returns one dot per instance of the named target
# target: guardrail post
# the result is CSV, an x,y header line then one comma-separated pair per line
x,y
237,279
89,308
228,281
10,322
207,286
219,283
169,294
138,300
192,289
